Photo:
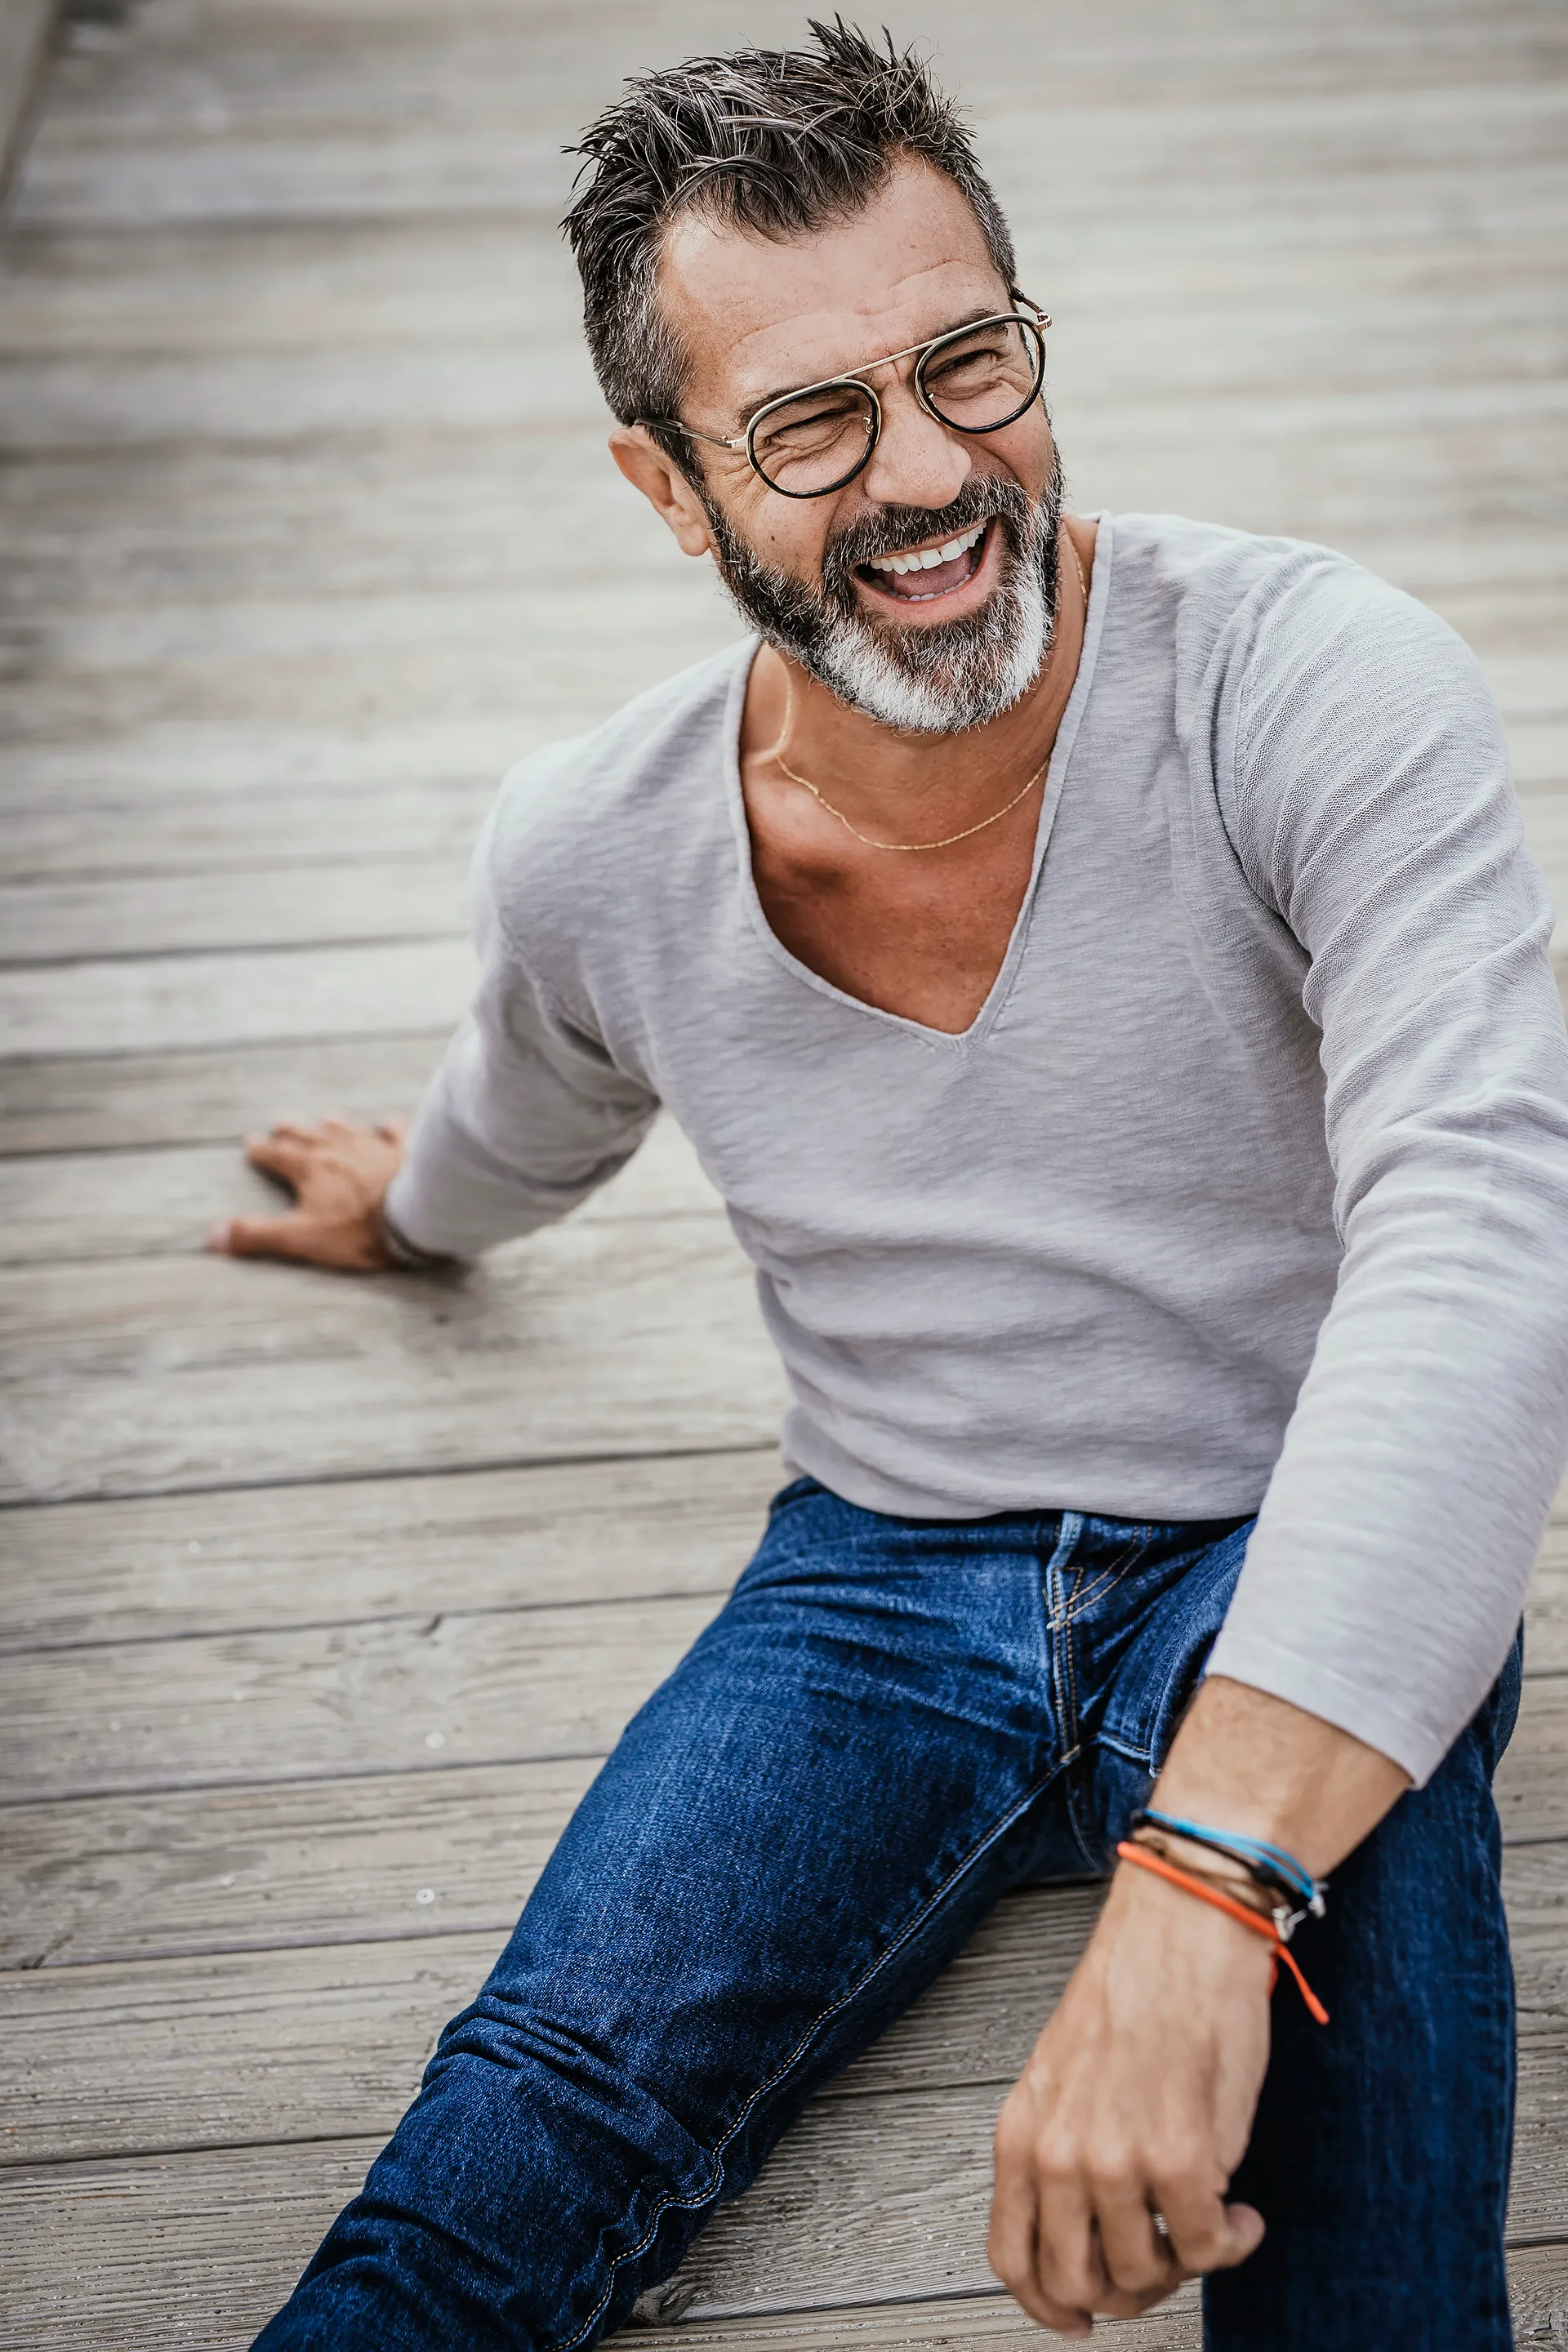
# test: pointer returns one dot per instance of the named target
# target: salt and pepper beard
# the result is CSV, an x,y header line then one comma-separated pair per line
x,y
939,679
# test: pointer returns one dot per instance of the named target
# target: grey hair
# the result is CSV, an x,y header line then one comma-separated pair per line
x,y
776,141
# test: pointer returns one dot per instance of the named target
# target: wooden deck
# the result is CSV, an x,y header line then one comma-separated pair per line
x,y
320,1599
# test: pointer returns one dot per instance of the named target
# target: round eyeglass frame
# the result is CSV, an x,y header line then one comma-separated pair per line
x,y
1027,315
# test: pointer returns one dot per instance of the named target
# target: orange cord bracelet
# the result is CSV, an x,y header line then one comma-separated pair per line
x,y
1139,1854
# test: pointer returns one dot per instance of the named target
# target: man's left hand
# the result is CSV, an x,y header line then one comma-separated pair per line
x,y
1115,2149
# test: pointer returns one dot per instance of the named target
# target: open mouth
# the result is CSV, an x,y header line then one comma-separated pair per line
x,y
916,575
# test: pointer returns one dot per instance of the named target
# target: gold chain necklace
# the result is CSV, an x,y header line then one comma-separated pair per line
x,y
948,839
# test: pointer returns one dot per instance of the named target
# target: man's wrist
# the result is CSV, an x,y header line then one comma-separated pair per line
x,y
1148,1908
404,1253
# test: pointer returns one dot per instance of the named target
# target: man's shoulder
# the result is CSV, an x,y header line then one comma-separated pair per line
x,y
1212,577
1210,567
671,740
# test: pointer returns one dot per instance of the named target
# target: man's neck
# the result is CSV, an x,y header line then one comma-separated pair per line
x,y
900,786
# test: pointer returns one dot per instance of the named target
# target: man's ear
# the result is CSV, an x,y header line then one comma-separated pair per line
x,y
663,485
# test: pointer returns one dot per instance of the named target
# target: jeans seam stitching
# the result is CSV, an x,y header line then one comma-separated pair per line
x,y
1109,1578
677,2204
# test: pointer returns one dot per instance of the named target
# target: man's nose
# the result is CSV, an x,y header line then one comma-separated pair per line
x,y
916,462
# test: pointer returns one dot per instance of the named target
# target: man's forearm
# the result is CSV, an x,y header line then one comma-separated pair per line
x,y
1245,1761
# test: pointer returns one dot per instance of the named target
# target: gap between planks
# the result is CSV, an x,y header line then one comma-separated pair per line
x,y
209,2244
299,2045
595,1338
260,1861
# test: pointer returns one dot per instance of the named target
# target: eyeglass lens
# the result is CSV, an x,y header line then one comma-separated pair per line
x,y
976,381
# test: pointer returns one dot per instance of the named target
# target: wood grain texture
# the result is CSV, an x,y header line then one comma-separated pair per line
x,y
97,1102
869,2202
279,1864
1531,1785
196,2251
271,1853
267,906
242,1560
384,1548
393,1696
425,1692
258,853
590,1339
320,2042
179,1004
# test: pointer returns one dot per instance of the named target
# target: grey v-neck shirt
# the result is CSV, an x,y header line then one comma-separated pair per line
x,y
1247,1187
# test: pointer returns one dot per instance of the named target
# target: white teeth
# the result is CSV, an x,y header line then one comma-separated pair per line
x,y
930,557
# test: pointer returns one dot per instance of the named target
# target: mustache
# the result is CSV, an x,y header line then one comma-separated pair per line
x,y
985,498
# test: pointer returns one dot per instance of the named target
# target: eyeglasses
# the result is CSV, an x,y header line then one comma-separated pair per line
x,y
975,379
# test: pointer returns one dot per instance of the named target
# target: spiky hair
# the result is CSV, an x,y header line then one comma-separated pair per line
x,y
778,142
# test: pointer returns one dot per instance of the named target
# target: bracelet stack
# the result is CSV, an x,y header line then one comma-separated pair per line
x,y
1271,1896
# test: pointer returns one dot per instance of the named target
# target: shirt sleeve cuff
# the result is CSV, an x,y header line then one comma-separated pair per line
x,y
1365,1710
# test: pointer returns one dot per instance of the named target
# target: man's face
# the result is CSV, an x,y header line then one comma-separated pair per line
x,y
934,649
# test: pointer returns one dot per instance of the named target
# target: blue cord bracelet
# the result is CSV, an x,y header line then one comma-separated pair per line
x,y
1268,1862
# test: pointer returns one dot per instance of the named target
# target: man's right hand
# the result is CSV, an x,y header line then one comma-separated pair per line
x,y
338,1173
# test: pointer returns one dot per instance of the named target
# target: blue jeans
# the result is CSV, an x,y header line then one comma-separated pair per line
x,y
889,1725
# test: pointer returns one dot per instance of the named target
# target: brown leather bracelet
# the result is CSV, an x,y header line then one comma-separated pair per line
x,y
1240,1887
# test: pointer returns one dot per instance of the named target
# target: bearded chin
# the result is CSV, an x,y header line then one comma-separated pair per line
x,y
938,679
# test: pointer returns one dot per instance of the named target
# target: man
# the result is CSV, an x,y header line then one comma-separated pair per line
x,y
1099,965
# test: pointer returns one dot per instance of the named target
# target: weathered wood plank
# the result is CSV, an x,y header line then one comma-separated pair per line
x,y
198,2250
293,906
1546,1616
518,669
274,852
399,1547
590,1339
118,1876
184,1873
95,1102
320,2043
1531,1785
867,2202
391,1695
187,2250
25,29
1310,171
241,1560
449,1686
132,1205
175,1004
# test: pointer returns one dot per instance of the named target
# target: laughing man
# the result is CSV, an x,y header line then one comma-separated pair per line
x,y
1099,965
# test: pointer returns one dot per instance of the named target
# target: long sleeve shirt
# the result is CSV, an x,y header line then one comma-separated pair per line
x,y
1247,1190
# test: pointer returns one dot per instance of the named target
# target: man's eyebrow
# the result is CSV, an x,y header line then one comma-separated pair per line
x,y
782,390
